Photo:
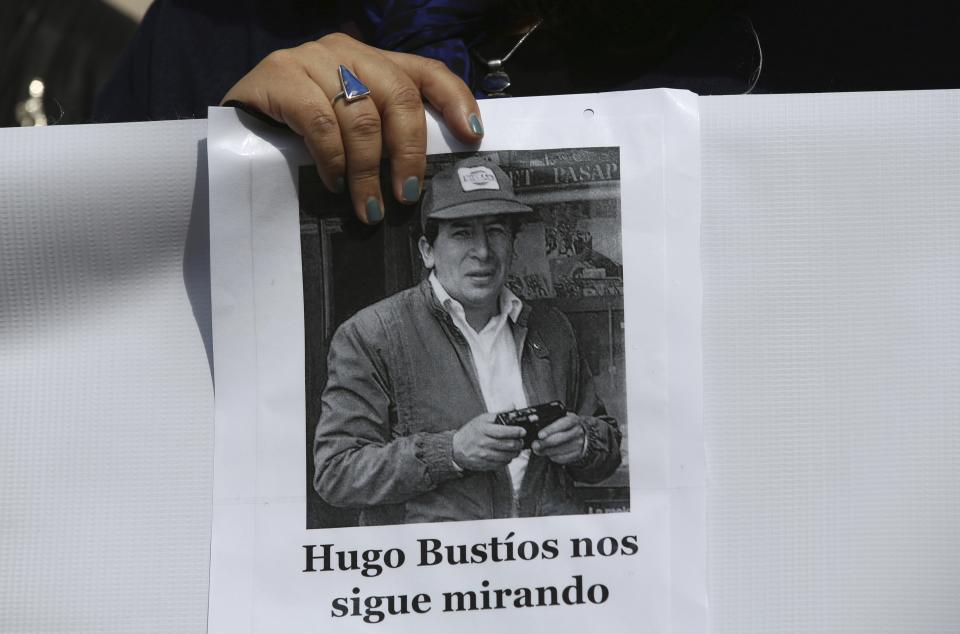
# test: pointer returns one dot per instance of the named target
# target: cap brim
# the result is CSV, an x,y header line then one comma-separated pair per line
x,y
476,208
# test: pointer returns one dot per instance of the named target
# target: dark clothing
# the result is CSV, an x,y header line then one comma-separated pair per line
x,y
188,53
402,382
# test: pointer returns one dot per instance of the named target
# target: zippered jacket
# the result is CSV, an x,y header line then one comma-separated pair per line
x,y
401,382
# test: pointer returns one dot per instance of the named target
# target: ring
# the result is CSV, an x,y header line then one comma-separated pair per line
x,y
353,88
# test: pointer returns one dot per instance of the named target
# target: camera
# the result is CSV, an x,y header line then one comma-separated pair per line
x,y
533,419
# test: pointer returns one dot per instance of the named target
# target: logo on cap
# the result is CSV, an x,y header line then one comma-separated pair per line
x,y
478,177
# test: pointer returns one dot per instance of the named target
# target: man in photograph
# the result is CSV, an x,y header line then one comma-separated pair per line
x,y
408,429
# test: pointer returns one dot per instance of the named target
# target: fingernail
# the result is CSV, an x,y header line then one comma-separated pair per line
x,y
411,189
475,126
340,185
374,210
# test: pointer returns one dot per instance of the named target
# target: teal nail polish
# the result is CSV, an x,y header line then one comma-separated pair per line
x,y
475,126
411,189
374,210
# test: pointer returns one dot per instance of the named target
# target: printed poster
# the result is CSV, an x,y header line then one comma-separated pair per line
x,y
482,413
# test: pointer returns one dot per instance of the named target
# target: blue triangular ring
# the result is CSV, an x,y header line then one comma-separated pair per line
x,y
353,88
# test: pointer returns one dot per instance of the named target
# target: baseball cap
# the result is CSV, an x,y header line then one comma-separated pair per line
x,y
468,188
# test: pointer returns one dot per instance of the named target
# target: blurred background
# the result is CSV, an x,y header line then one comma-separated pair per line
x,y
55,55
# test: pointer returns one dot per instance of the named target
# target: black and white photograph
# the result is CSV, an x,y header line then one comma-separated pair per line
x,y
465,359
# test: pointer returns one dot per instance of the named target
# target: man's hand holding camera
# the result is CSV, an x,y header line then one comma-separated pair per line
x,y
562,441
484,445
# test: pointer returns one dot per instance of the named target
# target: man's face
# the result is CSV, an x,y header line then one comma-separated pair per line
x,y
471,258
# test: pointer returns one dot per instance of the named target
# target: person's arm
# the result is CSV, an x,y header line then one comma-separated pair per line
x,y
601,455
587,440
362,459
359,462
299,87
589,446
188,56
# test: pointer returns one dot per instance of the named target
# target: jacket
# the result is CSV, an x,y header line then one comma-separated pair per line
x,y
401,381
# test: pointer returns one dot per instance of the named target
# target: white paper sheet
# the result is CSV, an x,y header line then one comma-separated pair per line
x,y
106,393
831,251
258,554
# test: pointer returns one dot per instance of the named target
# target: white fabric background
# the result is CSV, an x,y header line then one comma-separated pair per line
x,y
832,360
106,397
831,261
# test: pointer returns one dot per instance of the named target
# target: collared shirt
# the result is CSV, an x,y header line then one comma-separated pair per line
x,y
494,353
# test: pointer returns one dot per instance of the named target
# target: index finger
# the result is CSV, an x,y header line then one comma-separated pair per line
x,y
496,430
570,421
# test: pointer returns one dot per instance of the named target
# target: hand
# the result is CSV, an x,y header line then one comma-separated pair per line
x,y
483,445
562,440
297,86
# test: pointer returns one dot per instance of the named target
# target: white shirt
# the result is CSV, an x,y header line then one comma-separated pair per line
x,y
494,352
